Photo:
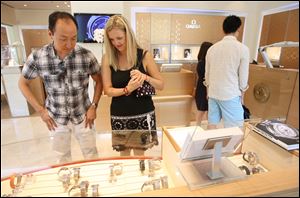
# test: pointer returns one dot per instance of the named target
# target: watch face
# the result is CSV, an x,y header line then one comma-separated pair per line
x,y
95,22
282,130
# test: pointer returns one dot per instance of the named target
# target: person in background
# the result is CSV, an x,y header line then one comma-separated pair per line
x,y
65,68
201,93
226,76
120,80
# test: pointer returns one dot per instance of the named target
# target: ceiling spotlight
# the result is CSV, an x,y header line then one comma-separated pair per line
x,y
65,2
57,6
68,6
25,5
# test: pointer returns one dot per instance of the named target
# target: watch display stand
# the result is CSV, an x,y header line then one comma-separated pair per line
x,y
202,162
199,173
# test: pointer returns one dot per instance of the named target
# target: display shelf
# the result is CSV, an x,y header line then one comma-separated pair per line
x,y
47,182
33,170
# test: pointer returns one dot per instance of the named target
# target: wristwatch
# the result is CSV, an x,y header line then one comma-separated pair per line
x,y
95,105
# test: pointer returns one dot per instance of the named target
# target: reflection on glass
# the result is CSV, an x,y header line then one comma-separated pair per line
x,y
35,158
38,153
12,55
137,141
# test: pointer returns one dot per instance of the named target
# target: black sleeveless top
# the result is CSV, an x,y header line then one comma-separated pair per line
x,y
129,105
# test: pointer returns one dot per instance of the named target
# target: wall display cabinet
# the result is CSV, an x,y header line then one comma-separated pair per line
x,y
184,34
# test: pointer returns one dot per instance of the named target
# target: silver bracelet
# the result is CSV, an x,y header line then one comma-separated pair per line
x,y
251,158
118,168
76,174
95,192
164,182
63,171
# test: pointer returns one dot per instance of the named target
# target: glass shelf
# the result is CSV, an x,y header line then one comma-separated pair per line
x,y
184,53
12,55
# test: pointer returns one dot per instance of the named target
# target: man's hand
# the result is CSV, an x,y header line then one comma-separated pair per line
x,y
47,119
90,117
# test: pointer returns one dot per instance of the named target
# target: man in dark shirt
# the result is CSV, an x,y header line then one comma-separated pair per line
x,y
65,68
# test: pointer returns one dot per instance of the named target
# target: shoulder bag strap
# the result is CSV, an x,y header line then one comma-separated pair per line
x,y
139,63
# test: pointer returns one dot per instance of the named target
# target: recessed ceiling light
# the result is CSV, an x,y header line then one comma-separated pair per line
x,y
68,6
57,6
65,2
25,5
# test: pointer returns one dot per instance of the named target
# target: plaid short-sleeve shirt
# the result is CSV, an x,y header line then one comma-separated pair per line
x,y
66,81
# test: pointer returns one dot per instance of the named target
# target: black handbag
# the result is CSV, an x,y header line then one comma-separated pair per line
x,y
146,89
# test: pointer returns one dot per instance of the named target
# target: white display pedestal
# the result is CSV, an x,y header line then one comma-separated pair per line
x,y
196,172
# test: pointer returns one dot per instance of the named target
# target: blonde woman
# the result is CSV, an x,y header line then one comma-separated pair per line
x,y
121,80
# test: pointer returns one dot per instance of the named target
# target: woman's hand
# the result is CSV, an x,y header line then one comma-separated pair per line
x,y
137,80
136,74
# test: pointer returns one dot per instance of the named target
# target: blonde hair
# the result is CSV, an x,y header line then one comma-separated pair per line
x,y
119,22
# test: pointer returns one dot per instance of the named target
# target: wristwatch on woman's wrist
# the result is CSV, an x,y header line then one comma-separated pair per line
x,y
95,105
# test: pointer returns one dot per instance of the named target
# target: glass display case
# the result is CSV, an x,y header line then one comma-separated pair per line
x,y
161,53
30,168
184,53
12,55
175,53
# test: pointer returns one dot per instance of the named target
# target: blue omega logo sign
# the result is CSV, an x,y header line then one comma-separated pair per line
x,y
193,25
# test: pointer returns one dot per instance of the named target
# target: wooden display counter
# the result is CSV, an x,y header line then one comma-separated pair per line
x,y
178,83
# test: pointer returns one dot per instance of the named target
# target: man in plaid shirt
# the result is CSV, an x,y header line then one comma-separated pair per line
x,y
65,68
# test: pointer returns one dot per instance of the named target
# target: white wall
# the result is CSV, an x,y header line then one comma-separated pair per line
x,y
108,7
253,10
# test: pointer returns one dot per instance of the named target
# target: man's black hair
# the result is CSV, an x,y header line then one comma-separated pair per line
x,y
231,24
59,15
